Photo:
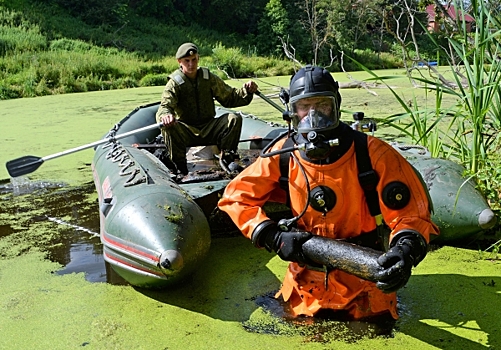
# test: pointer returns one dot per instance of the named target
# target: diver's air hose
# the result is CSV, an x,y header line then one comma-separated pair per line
x,y
286,224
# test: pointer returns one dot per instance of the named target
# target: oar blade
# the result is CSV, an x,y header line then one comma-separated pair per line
x,y
28,164
24,165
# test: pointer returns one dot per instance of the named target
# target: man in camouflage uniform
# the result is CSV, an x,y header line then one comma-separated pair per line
x,y
187,109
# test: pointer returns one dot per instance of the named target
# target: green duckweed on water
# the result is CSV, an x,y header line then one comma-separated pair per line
x,y
452,301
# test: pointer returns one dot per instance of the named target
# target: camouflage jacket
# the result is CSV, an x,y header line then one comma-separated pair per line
x,y
192,102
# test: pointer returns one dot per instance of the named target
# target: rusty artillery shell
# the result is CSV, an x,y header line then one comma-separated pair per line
x,y
354,259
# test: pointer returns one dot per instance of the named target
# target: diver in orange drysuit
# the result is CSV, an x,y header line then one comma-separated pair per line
x,y
325,154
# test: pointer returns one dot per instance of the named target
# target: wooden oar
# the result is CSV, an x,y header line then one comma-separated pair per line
x,y
28,164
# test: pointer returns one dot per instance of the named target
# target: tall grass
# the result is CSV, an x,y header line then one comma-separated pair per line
x,y
469,131
235,63
476,136
421,125
31,74
75,66
473,135
18,35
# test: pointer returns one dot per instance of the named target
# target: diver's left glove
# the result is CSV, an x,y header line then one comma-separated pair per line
x,y
287,244
407,249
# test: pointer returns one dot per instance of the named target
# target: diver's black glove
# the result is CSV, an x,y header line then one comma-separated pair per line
x,y
287,244
407,249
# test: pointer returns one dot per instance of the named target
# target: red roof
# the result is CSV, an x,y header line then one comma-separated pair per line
x,y
451,10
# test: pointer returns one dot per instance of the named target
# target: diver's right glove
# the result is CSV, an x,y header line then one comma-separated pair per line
x,y
407,249
287,244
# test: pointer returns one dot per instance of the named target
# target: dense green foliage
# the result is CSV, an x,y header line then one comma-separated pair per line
x,y
61,46
316,30
36,58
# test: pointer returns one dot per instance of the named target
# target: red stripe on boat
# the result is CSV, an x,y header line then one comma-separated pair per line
x,y
135,267
106,238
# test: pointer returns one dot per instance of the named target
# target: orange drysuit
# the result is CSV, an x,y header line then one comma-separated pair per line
x,y
304,287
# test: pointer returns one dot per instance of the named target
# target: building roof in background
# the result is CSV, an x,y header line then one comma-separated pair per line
x,y
452,12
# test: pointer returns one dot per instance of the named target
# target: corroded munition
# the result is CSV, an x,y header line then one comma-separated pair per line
x,y
354,259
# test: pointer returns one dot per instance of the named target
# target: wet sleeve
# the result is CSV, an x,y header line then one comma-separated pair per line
x,y
228,96
392,166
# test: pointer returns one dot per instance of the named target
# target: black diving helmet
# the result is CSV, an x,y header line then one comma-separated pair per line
x,y
314,100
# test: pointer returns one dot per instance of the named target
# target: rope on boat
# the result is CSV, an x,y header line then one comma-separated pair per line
x,y
108,144
119,154
116,156
131,181
116,147
405,147
124,159
127,166
76,227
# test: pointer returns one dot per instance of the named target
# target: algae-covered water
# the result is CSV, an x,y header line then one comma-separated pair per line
x,y
56,292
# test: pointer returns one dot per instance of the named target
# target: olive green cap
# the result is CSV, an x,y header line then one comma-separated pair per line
x,y
186,49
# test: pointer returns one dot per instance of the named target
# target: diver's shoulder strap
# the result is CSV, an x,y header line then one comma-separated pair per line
x,y
285,165
367,177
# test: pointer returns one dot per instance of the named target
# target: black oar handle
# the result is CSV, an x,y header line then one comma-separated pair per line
x,y
269,101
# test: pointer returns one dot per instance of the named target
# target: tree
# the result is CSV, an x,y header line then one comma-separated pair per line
x,y
272,26
335,26
314,22
229,16
356,23
110,13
